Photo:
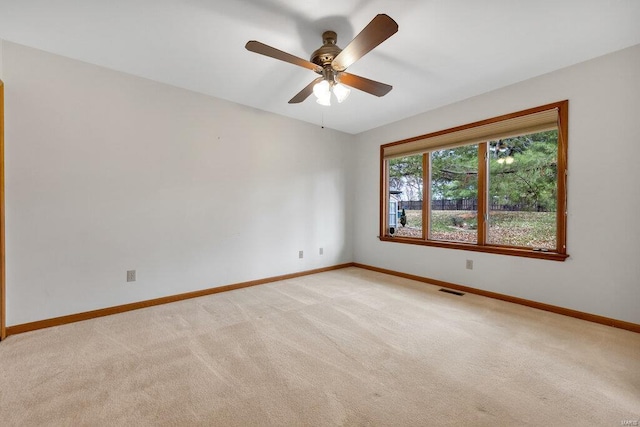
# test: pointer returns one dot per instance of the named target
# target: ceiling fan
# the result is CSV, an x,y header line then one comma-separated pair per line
x,y
331,62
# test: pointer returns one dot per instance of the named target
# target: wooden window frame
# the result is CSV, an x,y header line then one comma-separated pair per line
x,y
560,254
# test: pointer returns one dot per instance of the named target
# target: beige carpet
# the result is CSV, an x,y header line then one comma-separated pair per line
x,y
347,347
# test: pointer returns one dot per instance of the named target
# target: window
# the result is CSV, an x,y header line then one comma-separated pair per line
x,y
454,189
406,173
493,186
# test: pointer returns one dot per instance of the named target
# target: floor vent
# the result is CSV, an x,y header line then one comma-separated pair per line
x,y
449,291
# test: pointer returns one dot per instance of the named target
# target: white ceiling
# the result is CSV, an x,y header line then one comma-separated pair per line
x,y
444,51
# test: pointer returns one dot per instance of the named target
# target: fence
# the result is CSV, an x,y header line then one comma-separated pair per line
x,y
467,205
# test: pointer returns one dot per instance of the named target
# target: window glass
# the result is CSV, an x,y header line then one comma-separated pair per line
x,y
405,195
454,194
523,191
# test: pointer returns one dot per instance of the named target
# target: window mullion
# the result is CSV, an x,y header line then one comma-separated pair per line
x,y
482,193
426,195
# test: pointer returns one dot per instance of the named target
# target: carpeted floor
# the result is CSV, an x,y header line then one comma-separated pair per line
x,y
346,347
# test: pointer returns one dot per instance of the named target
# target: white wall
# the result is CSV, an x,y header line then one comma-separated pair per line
x,y
602,276
107,172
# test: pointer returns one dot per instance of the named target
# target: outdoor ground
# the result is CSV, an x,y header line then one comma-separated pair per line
x,y
514,228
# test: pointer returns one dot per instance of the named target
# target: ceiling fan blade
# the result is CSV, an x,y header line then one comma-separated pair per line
x,y
378,30
370,86
304,93
263,49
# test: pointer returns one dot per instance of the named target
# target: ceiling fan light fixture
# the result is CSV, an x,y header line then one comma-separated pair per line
x,y
325,100
341,91
322,91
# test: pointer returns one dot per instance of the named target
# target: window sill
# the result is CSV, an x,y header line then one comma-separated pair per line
x,y
527,253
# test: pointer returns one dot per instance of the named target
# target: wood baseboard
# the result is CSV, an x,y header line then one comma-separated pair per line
x,y
62,320
47,323
634,327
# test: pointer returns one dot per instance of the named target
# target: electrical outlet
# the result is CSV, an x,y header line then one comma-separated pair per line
x,y
300,254
469,264
321,251
131,275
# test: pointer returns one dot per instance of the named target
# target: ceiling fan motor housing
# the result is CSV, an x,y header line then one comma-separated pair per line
x,y
328,51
